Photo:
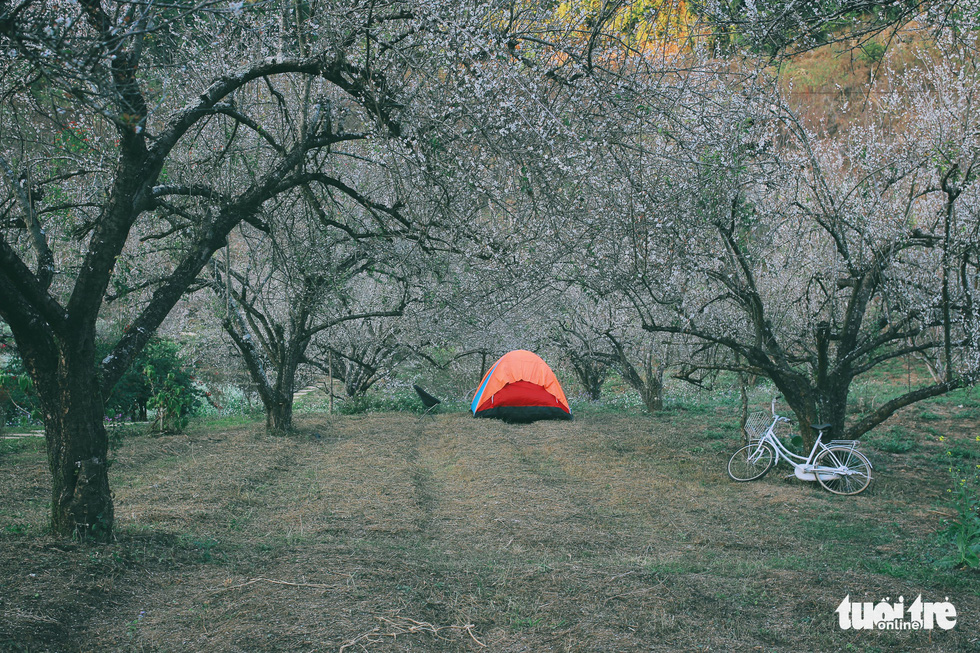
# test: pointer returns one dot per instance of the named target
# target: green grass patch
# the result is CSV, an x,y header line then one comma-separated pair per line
x,y
963,453
14,445
896,439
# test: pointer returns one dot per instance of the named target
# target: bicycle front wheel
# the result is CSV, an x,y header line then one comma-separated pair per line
x,y
843,470
751,462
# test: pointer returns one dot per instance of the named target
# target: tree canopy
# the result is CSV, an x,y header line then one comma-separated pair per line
x,y
624,178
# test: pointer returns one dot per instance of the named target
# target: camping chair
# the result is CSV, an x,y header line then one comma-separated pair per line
x,y
428,401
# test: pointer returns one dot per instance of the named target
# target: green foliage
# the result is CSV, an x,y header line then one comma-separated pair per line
x,y
796,444
206,548
117,432
172,396
962,453
712,434
18,400
894,440
873,52
371,402
158,379
964,529
963,498
21,446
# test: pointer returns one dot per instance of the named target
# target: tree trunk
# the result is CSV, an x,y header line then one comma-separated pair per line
x,y
77,447
279,406
799,396
653,398
650,385
593,387
591,374
817,405
831,403
279,414
744,405
653,386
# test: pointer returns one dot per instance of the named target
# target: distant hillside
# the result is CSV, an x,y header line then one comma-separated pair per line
x,y
829,85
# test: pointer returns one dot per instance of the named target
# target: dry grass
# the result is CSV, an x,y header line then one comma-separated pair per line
x,y
385,533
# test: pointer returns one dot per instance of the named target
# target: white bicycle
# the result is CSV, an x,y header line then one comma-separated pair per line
x,y
838,466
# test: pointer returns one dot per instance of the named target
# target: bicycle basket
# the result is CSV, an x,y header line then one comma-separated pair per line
x,y
757,425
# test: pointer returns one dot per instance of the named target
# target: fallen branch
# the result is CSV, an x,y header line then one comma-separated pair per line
x,y
27,616
358,639
469,631
272,581
405,626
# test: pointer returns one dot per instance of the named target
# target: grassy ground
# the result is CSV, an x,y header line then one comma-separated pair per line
x,y
384,533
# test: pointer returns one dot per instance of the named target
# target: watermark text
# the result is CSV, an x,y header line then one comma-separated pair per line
x,y
895,615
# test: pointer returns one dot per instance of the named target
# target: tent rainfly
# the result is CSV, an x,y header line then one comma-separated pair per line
x,y
520,387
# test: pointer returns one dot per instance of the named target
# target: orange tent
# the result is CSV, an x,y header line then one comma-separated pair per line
x,y
520,387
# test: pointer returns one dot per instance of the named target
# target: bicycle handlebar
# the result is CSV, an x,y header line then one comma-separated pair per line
x,y
772,411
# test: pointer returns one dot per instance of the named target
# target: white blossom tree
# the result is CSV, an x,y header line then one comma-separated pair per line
x,y
810,260
124,126
788,27
287,287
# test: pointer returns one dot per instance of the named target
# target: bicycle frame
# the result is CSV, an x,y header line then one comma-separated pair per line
x,y
803,467
836,464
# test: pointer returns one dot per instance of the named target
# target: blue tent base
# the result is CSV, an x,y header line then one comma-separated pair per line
x,y
524,414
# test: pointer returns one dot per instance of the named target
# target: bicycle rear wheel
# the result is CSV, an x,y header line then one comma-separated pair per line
x,y
751,462
843,470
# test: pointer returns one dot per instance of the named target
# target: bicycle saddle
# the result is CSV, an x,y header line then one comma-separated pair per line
x,y
821,427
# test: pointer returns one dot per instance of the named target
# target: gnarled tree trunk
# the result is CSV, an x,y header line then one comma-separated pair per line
x,y
77,444
279,414
591,374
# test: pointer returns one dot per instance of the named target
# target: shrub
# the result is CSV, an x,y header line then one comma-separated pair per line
x,y
873,52
159,379
895,440
380,403
18,400
963,498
